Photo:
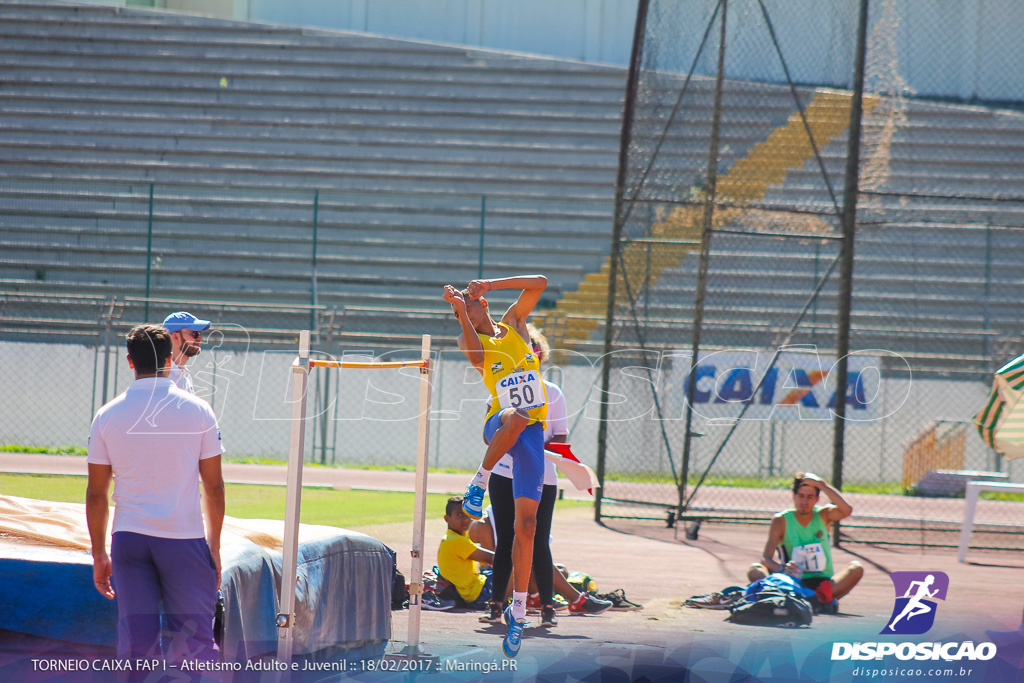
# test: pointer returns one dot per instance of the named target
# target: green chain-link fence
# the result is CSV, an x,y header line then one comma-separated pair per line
x,y
84,261
357,417
729,239
364,252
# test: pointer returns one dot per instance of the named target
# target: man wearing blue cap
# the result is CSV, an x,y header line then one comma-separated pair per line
x,y
186,336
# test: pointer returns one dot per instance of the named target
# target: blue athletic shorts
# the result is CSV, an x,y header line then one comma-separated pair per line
x,y
527,458
485,591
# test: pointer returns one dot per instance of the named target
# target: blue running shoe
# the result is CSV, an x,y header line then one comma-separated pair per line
x,y
514,637
473,502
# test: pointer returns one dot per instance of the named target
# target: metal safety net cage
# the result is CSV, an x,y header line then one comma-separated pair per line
x,y
728,263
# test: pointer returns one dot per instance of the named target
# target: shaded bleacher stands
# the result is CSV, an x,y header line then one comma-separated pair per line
x,y
197,160
247,131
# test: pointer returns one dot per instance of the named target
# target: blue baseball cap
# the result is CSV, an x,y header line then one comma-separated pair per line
x,y
183,320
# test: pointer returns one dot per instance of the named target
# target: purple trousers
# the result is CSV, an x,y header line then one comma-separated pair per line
x,y
148,571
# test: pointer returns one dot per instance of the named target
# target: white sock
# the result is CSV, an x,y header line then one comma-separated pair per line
x,y
519,605
581,598
480,478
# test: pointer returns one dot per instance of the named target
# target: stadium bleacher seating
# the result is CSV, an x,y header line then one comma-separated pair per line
x,y
244,130
405,156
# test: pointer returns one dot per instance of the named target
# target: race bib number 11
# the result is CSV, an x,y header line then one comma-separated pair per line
x,y
810,557
523,389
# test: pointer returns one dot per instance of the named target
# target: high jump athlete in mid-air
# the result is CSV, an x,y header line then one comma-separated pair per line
x,y
515,422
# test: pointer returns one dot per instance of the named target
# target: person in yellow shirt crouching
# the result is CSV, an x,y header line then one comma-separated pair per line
x,y
459,558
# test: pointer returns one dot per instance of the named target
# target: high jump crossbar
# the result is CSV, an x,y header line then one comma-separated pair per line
x,y
314,363
301,368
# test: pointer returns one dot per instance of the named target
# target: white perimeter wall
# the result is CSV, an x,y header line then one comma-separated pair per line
x,y
964,49
48,393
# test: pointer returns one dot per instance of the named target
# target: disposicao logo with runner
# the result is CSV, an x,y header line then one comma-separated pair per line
x,y
916,593
913,614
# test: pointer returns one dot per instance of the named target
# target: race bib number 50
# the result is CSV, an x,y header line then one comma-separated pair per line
x,y
523,389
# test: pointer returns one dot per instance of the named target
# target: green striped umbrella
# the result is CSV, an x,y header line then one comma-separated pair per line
x,y
1001,421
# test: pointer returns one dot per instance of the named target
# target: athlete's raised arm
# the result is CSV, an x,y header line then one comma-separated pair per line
x,y
515,317
468,341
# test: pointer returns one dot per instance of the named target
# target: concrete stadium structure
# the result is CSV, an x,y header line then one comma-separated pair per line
x,y
197,159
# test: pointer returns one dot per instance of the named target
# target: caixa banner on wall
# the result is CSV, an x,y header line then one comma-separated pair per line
x,y
801,385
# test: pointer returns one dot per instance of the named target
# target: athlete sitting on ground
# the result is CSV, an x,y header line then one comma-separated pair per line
x,y
459,558
802,536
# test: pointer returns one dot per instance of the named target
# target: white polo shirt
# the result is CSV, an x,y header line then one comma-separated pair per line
x,y
153,436
557,422
181,377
